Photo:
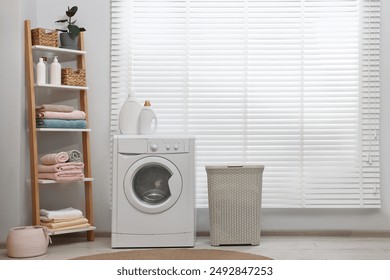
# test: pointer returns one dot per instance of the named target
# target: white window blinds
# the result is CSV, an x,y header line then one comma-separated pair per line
x,y
290,84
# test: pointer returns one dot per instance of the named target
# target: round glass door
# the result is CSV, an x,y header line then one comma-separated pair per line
x,y
152,184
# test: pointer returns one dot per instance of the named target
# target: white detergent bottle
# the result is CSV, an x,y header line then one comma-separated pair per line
x,y
41,72
129,115
147,119
55,72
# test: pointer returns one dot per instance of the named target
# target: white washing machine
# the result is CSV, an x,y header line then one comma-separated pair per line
x,y
153,192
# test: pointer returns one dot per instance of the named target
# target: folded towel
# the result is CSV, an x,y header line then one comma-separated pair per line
x,y
60,167
86,225
54,108
75,156
45,219
58,123
62,175
54,158
65,224
61,213
74,115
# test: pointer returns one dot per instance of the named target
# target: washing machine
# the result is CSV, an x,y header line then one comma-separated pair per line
x,y
153,199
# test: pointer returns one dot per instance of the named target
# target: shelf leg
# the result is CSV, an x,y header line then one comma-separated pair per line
x,y
30,91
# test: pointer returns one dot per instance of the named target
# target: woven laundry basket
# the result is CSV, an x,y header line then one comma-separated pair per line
x,y
29,241
235,204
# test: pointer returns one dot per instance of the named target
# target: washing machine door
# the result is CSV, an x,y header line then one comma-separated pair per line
x,y
153,184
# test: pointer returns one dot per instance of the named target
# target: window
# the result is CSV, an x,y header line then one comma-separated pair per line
x,y
290,84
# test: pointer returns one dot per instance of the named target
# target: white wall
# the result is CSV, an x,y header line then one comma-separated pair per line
x,y
14,200
95,17
9,56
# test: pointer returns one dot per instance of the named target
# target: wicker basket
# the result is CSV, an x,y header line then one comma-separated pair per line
x,y
235,204
72,77
44,37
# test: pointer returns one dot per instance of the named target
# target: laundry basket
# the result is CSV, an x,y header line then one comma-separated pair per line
x,y
235,204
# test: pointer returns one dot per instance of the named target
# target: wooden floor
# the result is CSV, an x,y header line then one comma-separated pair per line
x,y
276,247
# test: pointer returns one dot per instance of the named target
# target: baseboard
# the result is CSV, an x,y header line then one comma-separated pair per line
x,y
335,233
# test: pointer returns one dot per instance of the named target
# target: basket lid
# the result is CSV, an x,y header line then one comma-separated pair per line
x,y
235,166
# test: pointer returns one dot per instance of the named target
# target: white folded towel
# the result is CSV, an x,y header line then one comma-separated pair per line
x,y
61,213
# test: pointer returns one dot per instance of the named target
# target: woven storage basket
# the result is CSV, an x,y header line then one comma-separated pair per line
x,y
235,204
29,241
72,77
44,37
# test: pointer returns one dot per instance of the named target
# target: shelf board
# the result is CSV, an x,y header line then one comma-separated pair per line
x,y
64,129
58,232
47,181
49,86
62,53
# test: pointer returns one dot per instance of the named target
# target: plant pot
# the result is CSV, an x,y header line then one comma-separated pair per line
x,y
69,42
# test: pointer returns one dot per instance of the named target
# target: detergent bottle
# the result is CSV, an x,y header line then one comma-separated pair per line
x,y
147,119
129,115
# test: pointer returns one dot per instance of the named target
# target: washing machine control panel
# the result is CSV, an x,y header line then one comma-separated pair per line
x,y
168,146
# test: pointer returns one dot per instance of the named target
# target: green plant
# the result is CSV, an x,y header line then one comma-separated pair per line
x,y
73,29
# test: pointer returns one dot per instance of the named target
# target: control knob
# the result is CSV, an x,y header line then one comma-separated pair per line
x,y
154,147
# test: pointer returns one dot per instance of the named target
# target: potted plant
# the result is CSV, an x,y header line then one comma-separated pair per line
x,y
69,37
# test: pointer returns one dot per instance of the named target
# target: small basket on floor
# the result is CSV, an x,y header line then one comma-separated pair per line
x,y
234,194
28,241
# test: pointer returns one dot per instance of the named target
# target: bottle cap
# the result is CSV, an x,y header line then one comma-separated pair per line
x,y
147,103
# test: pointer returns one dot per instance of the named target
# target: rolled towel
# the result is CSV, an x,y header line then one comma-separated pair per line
x,y
54,158
61,213
53,108
60,167
75,156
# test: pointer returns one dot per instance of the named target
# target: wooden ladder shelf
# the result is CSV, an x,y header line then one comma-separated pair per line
x,y
79,57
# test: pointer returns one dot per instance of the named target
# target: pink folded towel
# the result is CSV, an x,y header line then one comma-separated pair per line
x,y
62,175
54,158
74,115
53,108
60,167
